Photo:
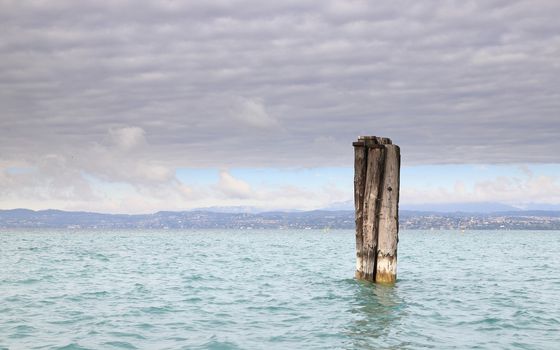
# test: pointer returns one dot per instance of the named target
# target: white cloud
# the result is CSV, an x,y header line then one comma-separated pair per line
x,y
128,91
234,188
252,112
127,138
449,83
232,191
504,189
81,177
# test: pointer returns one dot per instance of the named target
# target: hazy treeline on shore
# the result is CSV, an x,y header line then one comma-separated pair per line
x,y
318,219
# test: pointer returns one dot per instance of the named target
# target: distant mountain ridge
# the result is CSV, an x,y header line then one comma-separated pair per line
x,y
476,207
465,207
199,219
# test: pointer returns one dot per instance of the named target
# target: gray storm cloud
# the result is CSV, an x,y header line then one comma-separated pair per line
x,y
290,83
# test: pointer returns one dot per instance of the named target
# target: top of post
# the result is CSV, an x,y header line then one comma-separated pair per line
x,y
371,141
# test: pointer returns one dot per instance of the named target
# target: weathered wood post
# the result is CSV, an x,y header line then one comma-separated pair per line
x,y
376,199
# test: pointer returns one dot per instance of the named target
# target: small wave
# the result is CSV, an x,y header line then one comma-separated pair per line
x,y
74,320
145,326
72,346
120,344
220,345
193,300
22,331
156,309
95,295
28,281
98,256
127,335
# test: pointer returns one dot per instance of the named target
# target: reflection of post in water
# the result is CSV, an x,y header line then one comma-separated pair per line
x,y
376,199
377,317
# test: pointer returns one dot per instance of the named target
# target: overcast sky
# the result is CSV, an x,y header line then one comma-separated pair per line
x,y
124,106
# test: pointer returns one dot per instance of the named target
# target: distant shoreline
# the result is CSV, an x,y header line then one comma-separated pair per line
x,y
317,219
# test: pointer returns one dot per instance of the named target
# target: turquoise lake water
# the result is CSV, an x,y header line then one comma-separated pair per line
x,y
72,289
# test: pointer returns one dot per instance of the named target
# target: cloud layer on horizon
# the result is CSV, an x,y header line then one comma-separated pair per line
x,y
126,91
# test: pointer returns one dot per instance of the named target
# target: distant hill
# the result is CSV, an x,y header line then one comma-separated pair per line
x,y
230,209
542,206
316,219
477,207
345,205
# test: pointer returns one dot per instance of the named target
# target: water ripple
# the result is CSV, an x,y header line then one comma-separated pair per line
x,y
275,290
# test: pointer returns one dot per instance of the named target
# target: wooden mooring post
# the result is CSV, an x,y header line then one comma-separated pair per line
x,y
376,198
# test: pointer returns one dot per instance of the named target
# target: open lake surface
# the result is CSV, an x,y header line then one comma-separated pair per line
x,y
275,289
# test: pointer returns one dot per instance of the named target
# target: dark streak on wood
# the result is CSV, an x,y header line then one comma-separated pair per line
x,y
360,161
